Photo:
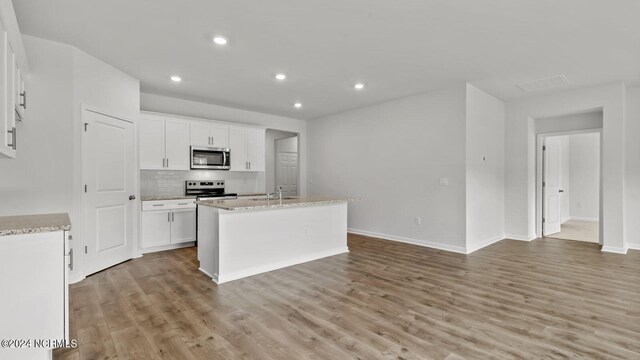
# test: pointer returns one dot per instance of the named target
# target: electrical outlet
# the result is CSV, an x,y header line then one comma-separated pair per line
x,y
444,181
418,220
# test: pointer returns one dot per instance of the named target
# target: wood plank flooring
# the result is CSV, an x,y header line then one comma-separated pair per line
x,y
546,299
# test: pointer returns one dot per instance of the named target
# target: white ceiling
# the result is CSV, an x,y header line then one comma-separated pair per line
x,y
396,47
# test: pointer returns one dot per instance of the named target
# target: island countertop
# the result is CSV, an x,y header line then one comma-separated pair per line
x,y
30,224
261,204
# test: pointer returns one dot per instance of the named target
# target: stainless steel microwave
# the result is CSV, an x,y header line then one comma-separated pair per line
x,y
210,158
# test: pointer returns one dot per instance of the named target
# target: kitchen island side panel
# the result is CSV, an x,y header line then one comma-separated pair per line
x,y
254,242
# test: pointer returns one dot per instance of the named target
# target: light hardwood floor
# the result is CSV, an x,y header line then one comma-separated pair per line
x,y
588,231
544,299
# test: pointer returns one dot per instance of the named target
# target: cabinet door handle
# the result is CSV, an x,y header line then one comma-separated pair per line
x,y
167,162
157,205
169,217
249,165
23,95
172,216
163,162
70,259
13,133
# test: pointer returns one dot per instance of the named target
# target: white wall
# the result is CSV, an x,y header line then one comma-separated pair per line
x,y
270,137
391,156
39,179
632,167
169,105
46,175
484,168
520,148
585,176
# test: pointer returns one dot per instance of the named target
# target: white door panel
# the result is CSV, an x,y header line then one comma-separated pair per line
x,y
200,134
177,145
551,188
151,144
183,226
220,136
255,150
238,146
156,228
287,173
109,174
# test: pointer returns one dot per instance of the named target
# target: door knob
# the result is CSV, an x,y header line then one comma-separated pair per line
x,y
132,197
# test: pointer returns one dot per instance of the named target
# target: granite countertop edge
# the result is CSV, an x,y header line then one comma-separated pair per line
x,y
227,205
33,224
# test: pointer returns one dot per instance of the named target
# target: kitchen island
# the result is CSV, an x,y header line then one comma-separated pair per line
x,y
240,238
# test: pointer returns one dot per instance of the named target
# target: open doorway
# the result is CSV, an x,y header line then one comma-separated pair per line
x,y
282,157
571,173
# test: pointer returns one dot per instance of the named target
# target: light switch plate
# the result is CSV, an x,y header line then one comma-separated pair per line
x,y
444,181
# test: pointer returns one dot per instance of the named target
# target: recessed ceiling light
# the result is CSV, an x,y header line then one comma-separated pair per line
x,y
220,40
297,105
176,78
281,76
358,86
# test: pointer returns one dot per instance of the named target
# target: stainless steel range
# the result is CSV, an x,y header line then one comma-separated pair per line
x,y
208,190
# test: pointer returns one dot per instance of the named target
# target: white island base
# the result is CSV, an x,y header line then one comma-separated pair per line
x,y
236,244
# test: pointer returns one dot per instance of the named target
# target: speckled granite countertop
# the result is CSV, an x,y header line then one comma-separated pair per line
x,y
260,204
166,197
30,224
251,194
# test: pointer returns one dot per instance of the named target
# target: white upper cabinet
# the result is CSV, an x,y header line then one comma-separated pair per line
x,y
256,149
177,144
247,149
6,125
13,66
164,144
204,133
151,141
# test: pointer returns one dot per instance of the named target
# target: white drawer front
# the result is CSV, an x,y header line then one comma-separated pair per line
x,y
168,204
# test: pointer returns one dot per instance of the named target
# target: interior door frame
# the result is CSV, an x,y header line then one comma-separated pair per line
x,y
136,186
540,140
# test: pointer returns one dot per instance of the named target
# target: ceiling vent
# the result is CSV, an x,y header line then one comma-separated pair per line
x,y
544,84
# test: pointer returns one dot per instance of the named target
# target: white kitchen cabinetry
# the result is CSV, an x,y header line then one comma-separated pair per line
x,y
13,66
166,223
164,144
34,304
247,149
204,133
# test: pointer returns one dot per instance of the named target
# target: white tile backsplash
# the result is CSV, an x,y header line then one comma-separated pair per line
x,y
163,182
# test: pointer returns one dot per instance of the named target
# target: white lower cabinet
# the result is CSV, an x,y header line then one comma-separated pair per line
x,y
166,223
34,302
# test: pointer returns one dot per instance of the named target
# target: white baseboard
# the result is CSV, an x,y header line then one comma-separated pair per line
x,y
484,244
521,237
584,219
614,250
633,246
235,275
429,244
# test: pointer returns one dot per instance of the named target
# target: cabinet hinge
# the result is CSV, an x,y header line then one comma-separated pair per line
x,y
85,126
85,249
85,188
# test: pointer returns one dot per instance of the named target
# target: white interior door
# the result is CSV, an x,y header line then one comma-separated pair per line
x,y
108,169
551,187
287,173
